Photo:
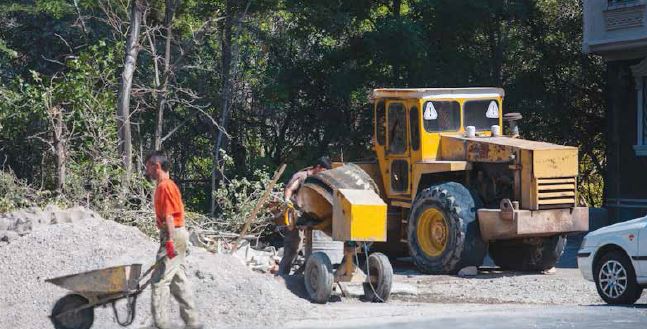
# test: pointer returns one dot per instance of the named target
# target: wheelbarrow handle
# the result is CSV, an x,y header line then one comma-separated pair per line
x,y
150,279
152,268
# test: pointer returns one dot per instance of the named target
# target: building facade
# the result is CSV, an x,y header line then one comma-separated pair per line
x,y
617,31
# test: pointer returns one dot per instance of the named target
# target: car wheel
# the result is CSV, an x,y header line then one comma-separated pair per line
x,y
615,279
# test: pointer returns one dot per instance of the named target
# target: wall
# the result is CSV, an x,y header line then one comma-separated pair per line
x,y
626,177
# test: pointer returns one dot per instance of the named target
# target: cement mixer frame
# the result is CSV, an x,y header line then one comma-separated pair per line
x,y
344,204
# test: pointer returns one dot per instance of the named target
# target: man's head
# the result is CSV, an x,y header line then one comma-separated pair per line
x,y
322,164
156,164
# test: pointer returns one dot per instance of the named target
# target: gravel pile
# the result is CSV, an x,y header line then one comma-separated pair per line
x,y
227,293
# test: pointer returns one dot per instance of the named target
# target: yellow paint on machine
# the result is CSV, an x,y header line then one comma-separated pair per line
x,y
555,163
358,215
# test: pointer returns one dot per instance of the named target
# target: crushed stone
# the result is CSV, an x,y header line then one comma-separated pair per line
x,y
228,294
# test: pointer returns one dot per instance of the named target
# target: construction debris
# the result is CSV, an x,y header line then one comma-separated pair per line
x,y
468,271
263,261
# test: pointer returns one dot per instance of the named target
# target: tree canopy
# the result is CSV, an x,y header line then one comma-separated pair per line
x,y
270,81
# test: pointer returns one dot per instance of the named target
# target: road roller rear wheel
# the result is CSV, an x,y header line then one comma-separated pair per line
x,y
379,278
319,277
537,254
82,319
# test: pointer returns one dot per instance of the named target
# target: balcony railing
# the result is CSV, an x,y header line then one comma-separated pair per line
x,y
613,27
624,14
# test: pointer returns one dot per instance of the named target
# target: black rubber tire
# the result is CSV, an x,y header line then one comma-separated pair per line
x,y
73,320
464,246
528,255
632,292
319,277
377,288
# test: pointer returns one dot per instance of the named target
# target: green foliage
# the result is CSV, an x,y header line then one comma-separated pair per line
x,y
238,197
301,71
15,193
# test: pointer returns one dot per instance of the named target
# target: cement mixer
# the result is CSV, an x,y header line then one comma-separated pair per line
x,y
343,203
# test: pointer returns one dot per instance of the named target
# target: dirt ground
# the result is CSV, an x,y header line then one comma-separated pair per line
x,y
230,295
491,286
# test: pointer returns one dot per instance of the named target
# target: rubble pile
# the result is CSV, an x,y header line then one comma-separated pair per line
x,y
52,242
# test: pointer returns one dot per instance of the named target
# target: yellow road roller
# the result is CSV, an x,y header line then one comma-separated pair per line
x,y
448,185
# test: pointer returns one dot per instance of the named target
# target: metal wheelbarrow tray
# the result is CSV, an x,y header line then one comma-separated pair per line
x,y
97,288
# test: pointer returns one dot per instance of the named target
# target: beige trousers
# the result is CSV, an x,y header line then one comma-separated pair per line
x,y
171,278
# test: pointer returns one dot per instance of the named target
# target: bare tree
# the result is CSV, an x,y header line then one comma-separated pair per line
x,y
166,93
227,84
57,138
171,6
56,113
123,104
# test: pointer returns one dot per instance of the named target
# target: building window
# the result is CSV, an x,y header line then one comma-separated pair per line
x,y
640,74
643,111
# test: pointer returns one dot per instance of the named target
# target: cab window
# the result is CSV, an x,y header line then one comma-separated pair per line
x,y
380,124
414,120
397,129
441,116
481,114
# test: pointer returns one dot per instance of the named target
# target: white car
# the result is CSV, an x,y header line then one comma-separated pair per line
x,y
615,258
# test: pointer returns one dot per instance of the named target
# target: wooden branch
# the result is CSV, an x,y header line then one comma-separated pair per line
x,y
260,203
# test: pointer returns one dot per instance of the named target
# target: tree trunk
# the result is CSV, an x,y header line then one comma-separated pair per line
x,y
496,49
123,104
59,147
225,42
171,5
396,8
397,65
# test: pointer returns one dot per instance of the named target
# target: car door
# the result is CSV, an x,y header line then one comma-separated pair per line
x,y
641,256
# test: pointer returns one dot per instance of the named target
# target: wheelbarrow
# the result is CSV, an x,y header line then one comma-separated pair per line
x,y
98,288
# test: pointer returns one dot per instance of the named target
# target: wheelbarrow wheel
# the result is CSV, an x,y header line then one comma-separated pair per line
x,y
82,319
319,277
379,279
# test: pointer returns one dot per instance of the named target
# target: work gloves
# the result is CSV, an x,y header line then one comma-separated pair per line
x,y
170,249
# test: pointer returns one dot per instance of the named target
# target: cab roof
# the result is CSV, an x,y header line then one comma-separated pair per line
x,y
437,93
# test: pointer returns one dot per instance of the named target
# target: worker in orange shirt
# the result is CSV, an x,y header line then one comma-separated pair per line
x,y
170,276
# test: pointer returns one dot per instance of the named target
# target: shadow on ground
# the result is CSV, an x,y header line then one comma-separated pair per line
x,y
295,283
489,270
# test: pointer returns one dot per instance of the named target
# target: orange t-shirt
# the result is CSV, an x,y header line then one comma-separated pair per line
x,y
168,201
